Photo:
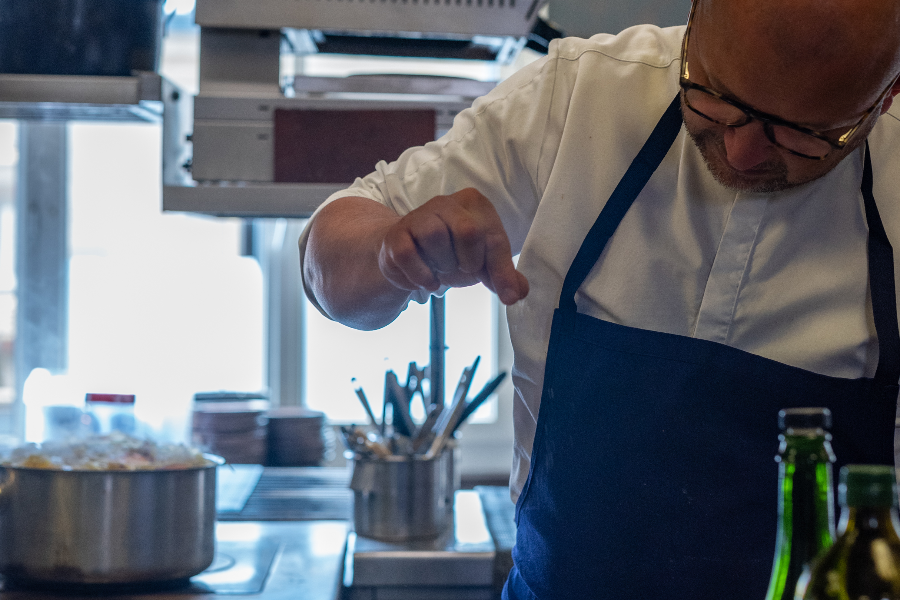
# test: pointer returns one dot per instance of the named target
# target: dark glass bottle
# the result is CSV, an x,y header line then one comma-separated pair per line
x,y
864,562
805,501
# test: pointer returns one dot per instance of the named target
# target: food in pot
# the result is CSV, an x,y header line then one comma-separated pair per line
x,y
112,452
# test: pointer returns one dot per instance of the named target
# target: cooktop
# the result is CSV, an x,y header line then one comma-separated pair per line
x,y
286,533
261,560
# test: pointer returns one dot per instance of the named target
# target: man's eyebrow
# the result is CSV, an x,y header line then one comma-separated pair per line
x,y
718,86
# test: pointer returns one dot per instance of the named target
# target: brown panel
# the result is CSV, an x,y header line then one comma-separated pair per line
x,y
337,146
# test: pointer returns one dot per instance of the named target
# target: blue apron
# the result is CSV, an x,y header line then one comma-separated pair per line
x,y
651,473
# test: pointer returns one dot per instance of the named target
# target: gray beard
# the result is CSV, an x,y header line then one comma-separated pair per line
x,y
712,148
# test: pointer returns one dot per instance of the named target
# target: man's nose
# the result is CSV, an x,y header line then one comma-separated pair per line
x,y
747,146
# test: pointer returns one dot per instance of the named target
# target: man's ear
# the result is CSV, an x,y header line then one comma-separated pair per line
x,y
895,89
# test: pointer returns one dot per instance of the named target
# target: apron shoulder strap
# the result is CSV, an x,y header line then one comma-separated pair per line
x,y
631,184
881,284
648,159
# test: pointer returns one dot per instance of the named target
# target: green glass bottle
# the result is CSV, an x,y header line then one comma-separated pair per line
x,y
805,500
864,562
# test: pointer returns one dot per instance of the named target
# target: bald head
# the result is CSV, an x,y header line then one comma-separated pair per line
x,y
841,52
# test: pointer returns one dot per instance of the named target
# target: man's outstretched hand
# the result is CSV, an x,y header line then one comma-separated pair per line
x,y
457,241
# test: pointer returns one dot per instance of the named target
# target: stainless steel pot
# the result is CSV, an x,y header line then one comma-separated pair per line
x,y
106,527
404,498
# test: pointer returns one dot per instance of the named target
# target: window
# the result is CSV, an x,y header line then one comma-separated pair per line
x,y
339,359
161,305
9,159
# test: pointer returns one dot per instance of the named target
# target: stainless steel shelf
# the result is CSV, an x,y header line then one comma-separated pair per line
x,y
226,141
474,17
148,97
293,200
83,98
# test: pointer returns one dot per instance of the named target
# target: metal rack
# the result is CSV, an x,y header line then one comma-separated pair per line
x,y
222,157
76,97
460,17
224,163
218,148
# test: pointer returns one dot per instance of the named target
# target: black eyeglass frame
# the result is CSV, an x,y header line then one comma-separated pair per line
x,y
767,120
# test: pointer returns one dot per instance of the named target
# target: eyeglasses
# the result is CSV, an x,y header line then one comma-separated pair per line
x,y
796,139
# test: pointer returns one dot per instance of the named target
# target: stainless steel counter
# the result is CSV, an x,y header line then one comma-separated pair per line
x,y
254,560
285,533
457,566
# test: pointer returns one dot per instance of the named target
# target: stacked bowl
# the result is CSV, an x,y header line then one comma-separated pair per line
x,y
297,437
233,425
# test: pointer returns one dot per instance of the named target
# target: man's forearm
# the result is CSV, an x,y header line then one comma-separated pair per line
x,y
362,261
341,264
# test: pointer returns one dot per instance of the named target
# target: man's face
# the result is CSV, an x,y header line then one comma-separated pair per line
x,y
743,158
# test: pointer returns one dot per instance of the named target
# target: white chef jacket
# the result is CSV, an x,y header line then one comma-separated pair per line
x,y
782,275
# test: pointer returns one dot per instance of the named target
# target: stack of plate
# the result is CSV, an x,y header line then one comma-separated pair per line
x,y
232,425
296,437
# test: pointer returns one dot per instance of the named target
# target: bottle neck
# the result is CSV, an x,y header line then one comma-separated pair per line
x,y
805,510
881,521
806,504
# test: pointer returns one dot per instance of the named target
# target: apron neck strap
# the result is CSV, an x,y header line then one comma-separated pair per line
x,y
631,184
881,284
648,159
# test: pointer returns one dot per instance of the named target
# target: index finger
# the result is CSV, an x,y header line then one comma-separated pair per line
x,y
500,274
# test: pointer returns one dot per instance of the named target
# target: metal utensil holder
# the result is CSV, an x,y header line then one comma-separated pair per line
x,y
404,498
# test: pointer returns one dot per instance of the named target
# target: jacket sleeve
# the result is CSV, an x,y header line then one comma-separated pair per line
x,y
494,146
